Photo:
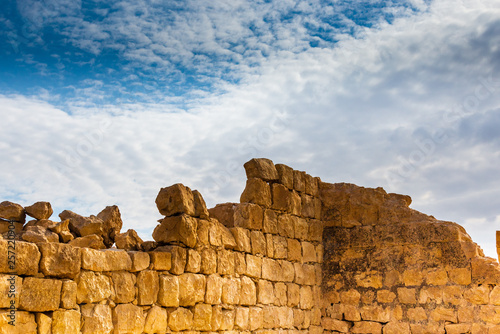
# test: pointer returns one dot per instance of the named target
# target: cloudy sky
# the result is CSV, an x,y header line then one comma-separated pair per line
x,y
105,102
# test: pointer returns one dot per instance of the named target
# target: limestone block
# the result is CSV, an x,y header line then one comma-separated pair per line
x,y
312,185
43,323
202,317
350,297
215,233
462,276
208,261
265,292
241,318
271,270
231,289
280,294
257,191
68,294
270,314
444,314
66,322
294,250
242,238
430,295
40,295
60,260
193,264
385,296
240,265
495,296
248,294
92,287
261,168
178,260
285,175
160,261
216,317
175,229
285,317
270,223
255,318
298,318
128,318
308,252
228,317
466,314
248,216
367,327
227,238
180,319
287,271
293,294
490,314
430,327
372,279
478,295
299,182
96,319
458,328
83,226
436,277
10,288
416,314
168,293
280,247
308,206
254,266
202,232
406,296
453,294
38,234
258,242
413,277
140,260
269,245
225,262
396,328
66,236
129,241
93,241
12,211
306,298
174,200
11,229
286,225
24,323
214,289
191,289
485,270
375,313
105,260
315,230
305,274
200,207
112,224
336,325
147,287
281,198
296,203
156,321
39,210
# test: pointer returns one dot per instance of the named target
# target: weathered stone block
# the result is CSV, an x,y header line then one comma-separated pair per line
x,y
431,295
453,294
180,319
147,287
161,261
97,319
179,258
462,276
168,293
407,296
68,294
478,295
257,191
176,199
258,242
140,260
124,286
60,260
66,322
350,297
38,234
193,264
271,269
280,294
43,323
287,271
128,318
269,245
202,317
280,247
375,313
156,321
385,296
308,252
191,289
293,294
40,295
315,230
265,292
200,207
25,323
285,175
306,298
240,265
12,211
242,238
83,226
92,287
176,229
485,270
286,225
255,318
105,260
27,258
214,289
241,318
336,325
254,266
112,224
231,288
93,241
444,314
281,198
39,210
261,168
208,261
270,223
296,203
248,295
129,241
294,252
397,328
225,262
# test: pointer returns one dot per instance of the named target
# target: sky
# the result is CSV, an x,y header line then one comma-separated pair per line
x,y
106,102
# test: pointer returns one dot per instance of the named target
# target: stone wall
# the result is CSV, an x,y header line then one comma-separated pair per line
x,y
295,256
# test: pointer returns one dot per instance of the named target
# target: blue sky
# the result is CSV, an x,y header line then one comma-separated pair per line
x,y
106,102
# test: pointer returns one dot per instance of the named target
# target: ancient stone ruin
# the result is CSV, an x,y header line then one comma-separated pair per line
x,y
296,255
